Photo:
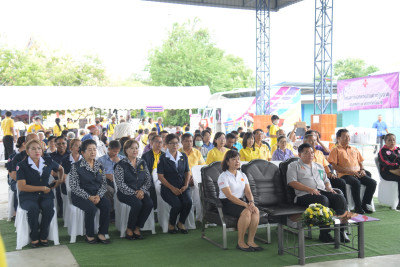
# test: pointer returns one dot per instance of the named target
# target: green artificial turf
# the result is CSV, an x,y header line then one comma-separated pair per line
x,y
381,238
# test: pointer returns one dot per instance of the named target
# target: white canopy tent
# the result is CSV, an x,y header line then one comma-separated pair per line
x,y
80,97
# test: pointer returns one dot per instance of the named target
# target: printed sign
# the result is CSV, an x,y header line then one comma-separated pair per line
x,y
372,92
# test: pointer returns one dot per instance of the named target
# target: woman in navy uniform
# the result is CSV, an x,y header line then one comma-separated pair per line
x,y
35,190
88,185
133,181
173,172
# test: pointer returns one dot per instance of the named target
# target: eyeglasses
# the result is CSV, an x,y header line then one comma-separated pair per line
x,y
173,143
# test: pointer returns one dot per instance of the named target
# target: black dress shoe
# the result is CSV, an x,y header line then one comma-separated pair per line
x,y
35,245
93,241
173,231
364,207
249,249
129,237
344,238
183,231
44,243
326,238
140,237
257,248
103,241
398,207
359,211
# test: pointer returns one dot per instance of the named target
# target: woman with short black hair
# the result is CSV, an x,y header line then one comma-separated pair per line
x,y
88,186
174,174
233,185
219,150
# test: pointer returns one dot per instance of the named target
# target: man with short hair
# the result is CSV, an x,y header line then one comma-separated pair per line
x,y
237,144
348,163
108,161
206,134
7,126
159,125
381,129
194,155
230,141
151,158
320,159
150,142
36,126
311,185
261,149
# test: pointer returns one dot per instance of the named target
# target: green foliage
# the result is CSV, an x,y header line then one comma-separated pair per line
x,y
352,68
189,57
34,67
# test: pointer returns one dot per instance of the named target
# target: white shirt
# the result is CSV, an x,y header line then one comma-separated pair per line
x,y
178,156
33,165
71,158
235,183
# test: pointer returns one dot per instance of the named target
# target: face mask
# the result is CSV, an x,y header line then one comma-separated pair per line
x,y
198,143
275,122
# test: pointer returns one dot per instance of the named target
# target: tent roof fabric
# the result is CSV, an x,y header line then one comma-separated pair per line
x,y
276,5
80,97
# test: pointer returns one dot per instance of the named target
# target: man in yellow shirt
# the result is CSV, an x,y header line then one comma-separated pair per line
x,y
194,155
288,145
273,129
7,126
111,127
261,149
36,126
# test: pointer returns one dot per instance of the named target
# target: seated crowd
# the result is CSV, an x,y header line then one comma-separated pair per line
x,y
98,168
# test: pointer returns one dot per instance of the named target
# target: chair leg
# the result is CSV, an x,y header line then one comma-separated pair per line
x,y
224,239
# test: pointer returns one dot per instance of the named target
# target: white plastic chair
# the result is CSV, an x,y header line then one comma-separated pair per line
x,y
122,216
163,208
388,193
10,204
23,230
76,219
66,204
350,200
196,173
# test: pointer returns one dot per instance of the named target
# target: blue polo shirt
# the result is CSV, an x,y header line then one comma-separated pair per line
x,y
381,127
108,164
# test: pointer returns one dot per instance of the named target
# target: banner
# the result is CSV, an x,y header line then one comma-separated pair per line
x,y
285,102
372,92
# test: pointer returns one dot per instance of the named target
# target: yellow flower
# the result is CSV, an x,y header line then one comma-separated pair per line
x,y
311,216
331,213
311,225
327,215
324,209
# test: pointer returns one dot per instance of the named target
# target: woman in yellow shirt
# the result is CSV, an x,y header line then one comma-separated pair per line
x,y
248,152
219,150
57,129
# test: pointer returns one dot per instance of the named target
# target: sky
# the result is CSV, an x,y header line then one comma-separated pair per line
x,y
122,32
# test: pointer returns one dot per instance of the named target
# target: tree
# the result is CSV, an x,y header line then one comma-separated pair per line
x,y
352,68
189,57
35,67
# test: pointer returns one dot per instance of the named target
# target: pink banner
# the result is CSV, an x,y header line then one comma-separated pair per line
x,y
372,92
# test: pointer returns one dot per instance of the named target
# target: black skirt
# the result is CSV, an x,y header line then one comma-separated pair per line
x,y
230,208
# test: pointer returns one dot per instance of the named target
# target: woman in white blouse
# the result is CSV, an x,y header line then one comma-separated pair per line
x,y
233,185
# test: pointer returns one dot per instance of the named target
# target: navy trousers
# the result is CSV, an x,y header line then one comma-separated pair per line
x,y
356,183
46,205
180,205
90,210
140,209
